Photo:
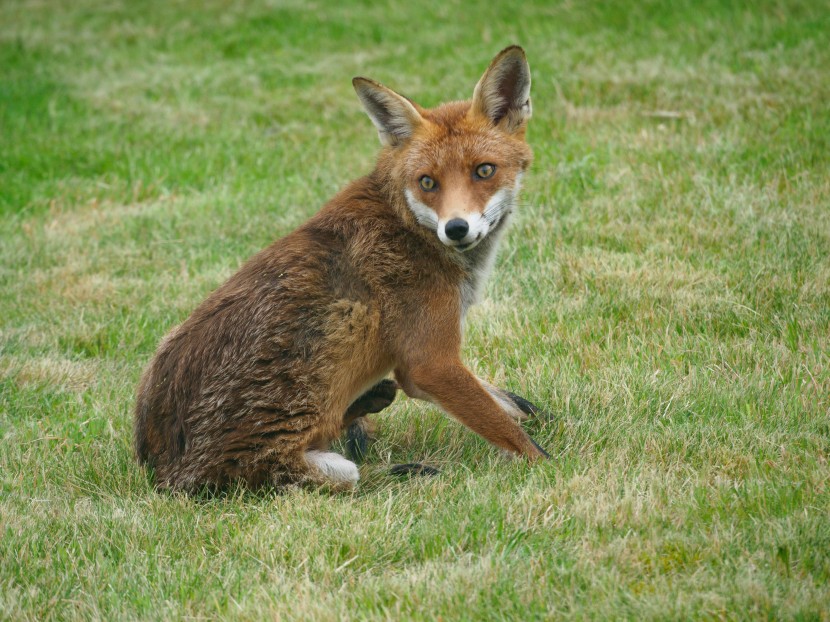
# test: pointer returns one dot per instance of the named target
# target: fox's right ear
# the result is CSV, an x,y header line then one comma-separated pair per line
x,y
394,115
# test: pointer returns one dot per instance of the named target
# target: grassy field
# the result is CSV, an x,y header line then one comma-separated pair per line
x,y
665,293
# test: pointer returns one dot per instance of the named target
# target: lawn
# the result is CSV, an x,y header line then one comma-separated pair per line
x,y
664,293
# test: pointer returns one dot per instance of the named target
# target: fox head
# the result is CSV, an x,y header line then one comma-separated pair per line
x,y
458,166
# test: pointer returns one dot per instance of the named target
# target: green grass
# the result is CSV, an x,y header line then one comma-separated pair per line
x,y
665,293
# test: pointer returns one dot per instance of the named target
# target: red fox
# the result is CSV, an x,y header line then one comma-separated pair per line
x,y
294,347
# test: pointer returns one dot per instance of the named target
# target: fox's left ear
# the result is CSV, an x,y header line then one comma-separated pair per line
x,y
503,93
393,115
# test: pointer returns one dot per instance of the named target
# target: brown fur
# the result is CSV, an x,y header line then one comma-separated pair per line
x,y
267,367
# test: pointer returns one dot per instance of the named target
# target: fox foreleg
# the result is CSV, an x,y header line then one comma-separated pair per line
x,y
490,412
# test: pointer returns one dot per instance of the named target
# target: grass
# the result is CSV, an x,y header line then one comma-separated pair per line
x,y
665,293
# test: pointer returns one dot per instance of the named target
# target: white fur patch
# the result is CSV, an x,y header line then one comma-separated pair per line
x,y
334,466
473,289
478,228
498,210
499,205
424,214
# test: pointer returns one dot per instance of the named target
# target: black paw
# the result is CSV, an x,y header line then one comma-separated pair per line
x,y
375,399
536,445
527,407
358,439
413,469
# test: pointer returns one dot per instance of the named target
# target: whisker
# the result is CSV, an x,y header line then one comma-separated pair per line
x,y
498,208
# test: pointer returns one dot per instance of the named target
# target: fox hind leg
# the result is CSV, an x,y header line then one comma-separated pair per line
x,y
359,436
327,467
360,429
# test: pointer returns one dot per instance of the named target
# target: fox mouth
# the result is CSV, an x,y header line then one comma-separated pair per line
x,y
462,248
465,246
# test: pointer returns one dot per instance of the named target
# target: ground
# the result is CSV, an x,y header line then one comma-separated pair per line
x,y
664,293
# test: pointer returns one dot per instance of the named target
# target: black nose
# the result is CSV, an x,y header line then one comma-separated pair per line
x,y
456,229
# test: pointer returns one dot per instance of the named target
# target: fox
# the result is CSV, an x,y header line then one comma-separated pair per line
x,y
300,343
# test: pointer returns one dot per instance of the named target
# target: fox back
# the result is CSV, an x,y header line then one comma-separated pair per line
x,y
266,372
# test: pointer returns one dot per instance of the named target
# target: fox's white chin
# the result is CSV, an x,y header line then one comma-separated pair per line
x,y
464,247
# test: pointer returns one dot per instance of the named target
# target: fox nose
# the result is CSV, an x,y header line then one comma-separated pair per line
x,y
456,229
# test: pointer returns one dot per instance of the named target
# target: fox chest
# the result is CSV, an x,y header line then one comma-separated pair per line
x,y
480,264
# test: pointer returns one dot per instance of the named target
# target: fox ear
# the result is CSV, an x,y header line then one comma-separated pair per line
x,y
503,93
393,114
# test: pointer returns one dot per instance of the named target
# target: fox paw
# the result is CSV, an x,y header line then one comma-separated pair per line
x,y
375,399
413,469
358,438
528,407
542,451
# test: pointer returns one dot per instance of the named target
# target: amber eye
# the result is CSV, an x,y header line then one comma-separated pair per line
x,y
485,171
427,183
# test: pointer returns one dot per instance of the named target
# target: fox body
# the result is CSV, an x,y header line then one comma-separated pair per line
x,y
294,347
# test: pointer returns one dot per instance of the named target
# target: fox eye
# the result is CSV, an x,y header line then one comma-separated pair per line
x,y
485,171
427,183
